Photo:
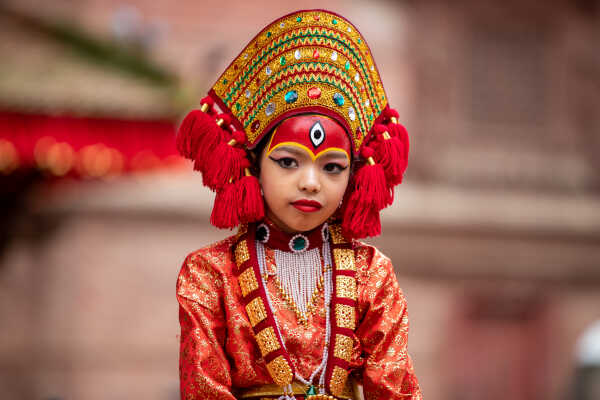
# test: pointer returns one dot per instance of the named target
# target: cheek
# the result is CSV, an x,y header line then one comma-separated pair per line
x,y
270,182
338,187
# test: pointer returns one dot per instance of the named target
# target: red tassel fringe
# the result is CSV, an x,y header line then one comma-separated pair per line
x,y
210,141
390,154
225,209
251,205
225,163
370,186
193,130
360,222
370,194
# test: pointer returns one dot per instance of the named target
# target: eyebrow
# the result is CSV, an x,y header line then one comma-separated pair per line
x,y
290,149
335,154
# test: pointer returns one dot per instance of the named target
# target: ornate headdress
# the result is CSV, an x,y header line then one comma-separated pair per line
x,y
311,61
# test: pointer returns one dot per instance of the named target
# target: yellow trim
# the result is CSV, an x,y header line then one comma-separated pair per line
x,y
309,151
275,390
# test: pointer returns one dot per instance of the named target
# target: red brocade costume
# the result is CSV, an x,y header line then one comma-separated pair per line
x,y
219,353
309,315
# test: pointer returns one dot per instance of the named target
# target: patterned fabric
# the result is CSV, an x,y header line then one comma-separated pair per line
x,y
219,353
307,61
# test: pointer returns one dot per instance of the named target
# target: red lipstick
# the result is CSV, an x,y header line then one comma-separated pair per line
x,y
305,205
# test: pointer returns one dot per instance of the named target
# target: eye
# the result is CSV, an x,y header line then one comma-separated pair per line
x,y
317,134
334,168
285,162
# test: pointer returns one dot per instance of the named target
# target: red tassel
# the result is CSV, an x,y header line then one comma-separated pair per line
x,y
390,154
210,140
226,162
391,115
209,102
251,205
369,195
360,223
225,209
195,126
370,186
399,131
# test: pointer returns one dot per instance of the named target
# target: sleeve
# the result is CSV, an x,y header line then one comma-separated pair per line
x,y
383,332
203,367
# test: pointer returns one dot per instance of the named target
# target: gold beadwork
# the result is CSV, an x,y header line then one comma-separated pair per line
x,y
296,52
345,286
344,316
336,234
256,311
338,380
248,281
344,259
311,307
241,253
280,371
343,347
267,341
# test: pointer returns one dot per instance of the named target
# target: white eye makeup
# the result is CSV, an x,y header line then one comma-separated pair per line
x,y
317,134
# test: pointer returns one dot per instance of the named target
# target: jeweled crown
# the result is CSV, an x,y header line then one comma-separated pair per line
x,y
306,61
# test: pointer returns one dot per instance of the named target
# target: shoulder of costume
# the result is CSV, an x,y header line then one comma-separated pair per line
x,y
217,255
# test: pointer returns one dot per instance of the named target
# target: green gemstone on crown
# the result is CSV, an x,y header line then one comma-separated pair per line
x,y
338,99
291,96
312,391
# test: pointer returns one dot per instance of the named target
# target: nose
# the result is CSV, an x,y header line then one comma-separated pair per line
x,y
309,180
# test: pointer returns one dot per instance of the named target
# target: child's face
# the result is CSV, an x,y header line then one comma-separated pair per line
x,y
304,171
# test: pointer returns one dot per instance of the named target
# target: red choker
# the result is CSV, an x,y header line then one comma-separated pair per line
x,y
272,236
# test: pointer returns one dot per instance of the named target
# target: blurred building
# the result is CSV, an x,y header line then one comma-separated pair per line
x,y
495,233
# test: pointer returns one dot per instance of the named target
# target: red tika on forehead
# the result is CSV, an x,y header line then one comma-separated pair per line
x,y
316,134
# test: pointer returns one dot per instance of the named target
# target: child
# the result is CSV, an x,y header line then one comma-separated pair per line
x,y
298,141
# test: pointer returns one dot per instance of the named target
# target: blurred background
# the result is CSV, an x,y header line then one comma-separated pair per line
x,y
495,234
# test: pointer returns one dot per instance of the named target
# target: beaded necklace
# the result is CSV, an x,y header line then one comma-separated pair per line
x,y
299,271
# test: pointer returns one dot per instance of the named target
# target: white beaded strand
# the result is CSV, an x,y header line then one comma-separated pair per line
x,y
295,267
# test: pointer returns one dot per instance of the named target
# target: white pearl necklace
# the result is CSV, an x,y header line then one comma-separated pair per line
x,y
299,289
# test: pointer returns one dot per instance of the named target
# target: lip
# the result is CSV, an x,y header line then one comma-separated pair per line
x,y
306,205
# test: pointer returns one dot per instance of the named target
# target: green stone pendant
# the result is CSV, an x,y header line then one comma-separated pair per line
x,y
312,391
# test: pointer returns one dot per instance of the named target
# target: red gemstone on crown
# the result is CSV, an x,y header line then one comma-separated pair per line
x,y
255,125
314,92
316,54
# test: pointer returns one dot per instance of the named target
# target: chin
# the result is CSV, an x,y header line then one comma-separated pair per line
x,y
306,224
